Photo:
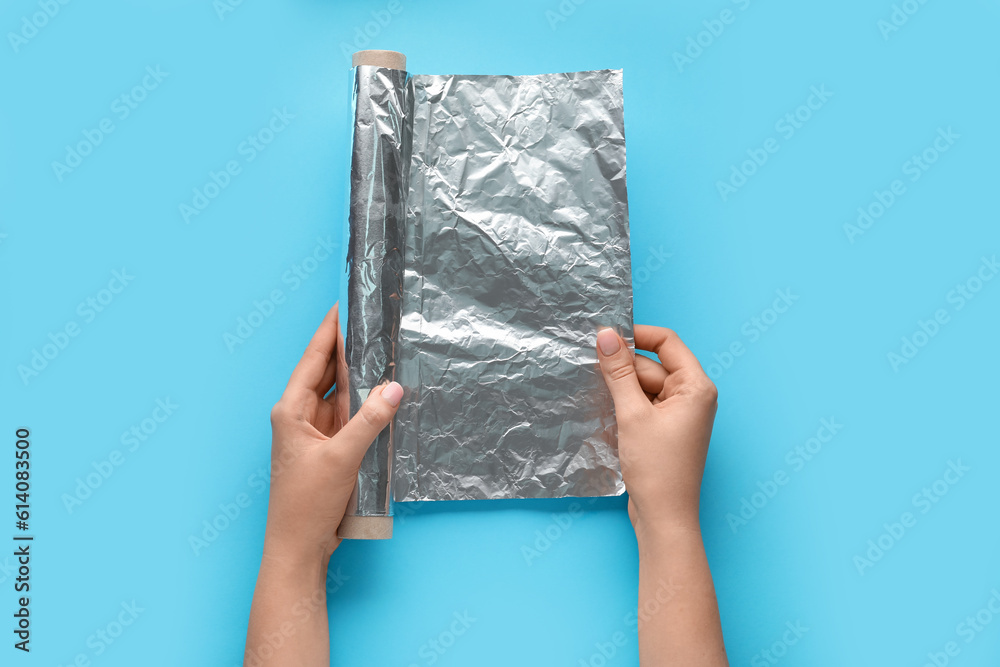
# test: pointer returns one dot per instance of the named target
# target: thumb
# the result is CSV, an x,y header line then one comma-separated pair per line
x,y
376,412
618,368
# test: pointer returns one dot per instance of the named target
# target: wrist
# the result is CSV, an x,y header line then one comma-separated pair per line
x,y
294,560
654,525
666,540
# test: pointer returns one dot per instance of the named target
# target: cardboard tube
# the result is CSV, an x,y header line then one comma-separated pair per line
x,y
365,528
387,59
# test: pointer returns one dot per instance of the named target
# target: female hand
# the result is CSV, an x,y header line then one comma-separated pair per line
x,y
665,412
315,455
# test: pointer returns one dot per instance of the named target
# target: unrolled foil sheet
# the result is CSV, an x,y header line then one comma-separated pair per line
x,y
498,205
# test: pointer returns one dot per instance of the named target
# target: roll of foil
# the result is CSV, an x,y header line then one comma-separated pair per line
x,y
515,252
380,162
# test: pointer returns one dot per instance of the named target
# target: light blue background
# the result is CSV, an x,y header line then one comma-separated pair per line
x,y
826,357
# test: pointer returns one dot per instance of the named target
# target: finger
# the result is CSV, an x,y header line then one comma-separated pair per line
x,y
330,375
340,399
668,347
375,414
618,367
312,367
651,374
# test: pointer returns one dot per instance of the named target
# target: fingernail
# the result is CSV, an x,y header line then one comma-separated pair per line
x,y
392,393
608,341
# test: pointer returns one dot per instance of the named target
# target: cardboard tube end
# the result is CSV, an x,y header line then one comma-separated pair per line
x,y
387,59
365,528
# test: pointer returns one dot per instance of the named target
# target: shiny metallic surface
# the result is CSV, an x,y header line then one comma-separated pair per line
x,y
515,252
379,165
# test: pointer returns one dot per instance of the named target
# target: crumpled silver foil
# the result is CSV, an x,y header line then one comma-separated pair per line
x,y
382,104
515,253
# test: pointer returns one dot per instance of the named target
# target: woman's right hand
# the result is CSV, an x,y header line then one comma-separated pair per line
x,y
665,413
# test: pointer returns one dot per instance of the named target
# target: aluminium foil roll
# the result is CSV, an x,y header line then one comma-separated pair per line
x,y
382,105
481,270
